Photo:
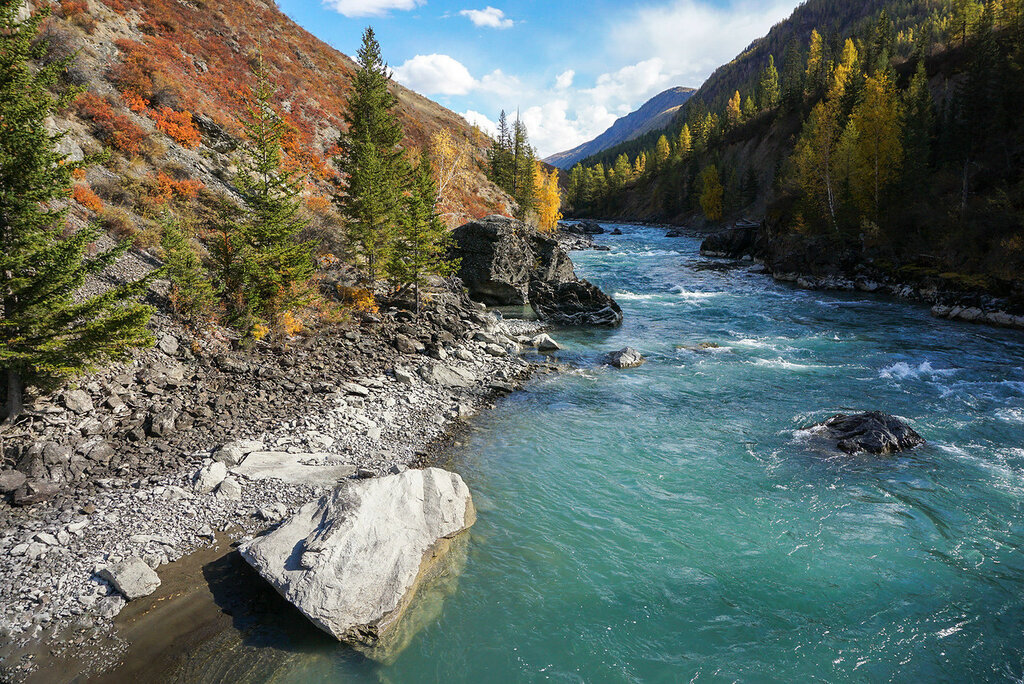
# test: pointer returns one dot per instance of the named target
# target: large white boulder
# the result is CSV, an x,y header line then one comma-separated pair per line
x,y
311,469
352,561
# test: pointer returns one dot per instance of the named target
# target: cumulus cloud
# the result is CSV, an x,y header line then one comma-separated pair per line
x,y
481,121
435,75
564,79
489,17
370,8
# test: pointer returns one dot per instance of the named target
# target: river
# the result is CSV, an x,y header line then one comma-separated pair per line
x,y
672,523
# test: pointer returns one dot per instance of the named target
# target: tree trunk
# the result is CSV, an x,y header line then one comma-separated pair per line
x,y
15,397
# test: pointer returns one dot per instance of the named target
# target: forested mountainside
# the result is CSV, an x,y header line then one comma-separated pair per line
x,y
892,136
165,86
655,114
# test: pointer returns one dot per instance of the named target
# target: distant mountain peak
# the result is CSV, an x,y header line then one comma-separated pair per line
x,y
654,114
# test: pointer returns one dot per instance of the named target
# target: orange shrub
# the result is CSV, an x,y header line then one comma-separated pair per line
x,y
178,125
114,129
167,187
358,298
69,8
87,198
135,102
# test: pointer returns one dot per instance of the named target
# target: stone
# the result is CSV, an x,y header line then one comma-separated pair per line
x,y
874,432
10,480
438,374
731,243
34,491
298,468
578,302
272,513
46,538
229,489
110,606
229,455
624,358
404,376
161,423
245,446
495,350
208,477
77,401
406,345
544,343
352,561
132,577
168,344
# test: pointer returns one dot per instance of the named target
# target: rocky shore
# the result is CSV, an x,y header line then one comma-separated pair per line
x,y
815,267
137,465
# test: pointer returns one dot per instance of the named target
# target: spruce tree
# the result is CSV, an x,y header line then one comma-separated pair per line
x,y
192,295
276,265
421,249
372,162
45,334
769,85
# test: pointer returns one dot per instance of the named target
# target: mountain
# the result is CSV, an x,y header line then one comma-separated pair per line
x,y
655,114
165,84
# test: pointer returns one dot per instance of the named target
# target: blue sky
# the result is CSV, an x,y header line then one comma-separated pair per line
x,y
571,68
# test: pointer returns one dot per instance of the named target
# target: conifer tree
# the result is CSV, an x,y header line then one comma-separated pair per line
x,y
769,85
792,77
814,158
685,144
749,108
45,334
733,112
422,246
815,72
662,151
500,157
276,265
879,156
577,186
623,170
712,193
192,295
372,162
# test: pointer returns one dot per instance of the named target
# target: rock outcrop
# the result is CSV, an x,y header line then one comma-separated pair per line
x,y
132,577
352,561
874,432
731,243
503,262
625,358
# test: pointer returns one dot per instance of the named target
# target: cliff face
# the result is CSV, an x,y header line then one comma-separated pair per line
x,y
165,84
655,114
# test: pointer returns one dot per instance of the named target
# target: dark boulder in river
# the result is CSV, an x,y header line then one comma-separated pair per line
x,y
625,358
874,432
731,243
504,262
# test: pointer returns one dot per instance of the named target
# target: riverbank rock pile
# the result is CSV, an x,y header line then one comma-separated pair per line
x,y
874,432
580,236
352,561
504,262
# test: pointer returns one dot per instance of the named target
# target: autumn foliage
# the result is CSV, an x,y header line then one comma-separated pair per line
x,y
115,129
87,198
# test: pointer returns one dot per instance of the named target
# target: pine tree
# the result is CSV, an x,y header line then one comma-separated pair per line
x,y
749,108
623,170
371,160
769,85
792,77
45,334
276,265
524,166
662,151
500,156
815,72
192,295
422,247
919,108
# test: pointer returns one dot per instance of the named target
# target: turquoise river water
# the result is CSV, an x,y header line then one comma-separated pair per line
x,y
673,524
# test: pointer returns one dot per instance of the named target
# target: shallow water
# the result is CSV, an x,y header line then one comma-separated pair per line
x,y
672,523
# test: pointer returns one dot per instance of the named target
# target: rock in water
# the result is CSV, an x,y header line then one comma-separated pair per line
x,y
353,561
874,432
625,358
504,262
577,302
732,242
544,343
132,577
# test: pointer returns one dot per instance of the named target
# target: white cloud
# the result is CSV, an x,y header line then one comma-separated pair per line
x,y
481,121
370,8
435,75
489,17
501,84
564,79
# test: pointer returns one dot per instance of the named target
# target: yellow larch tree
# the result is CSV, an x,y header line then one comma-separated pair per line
x,y
843,71
879,151
733,113
662,150
814,159
815,62
448,155
712,193
549,200
685,144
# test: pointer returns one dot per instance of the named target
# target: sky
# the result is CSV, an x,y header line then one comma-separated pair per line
x,y
569,68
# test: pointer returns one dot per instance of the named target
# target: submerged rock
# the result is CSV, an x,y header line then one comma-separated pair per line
x,y
352,561
874,432
625,358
